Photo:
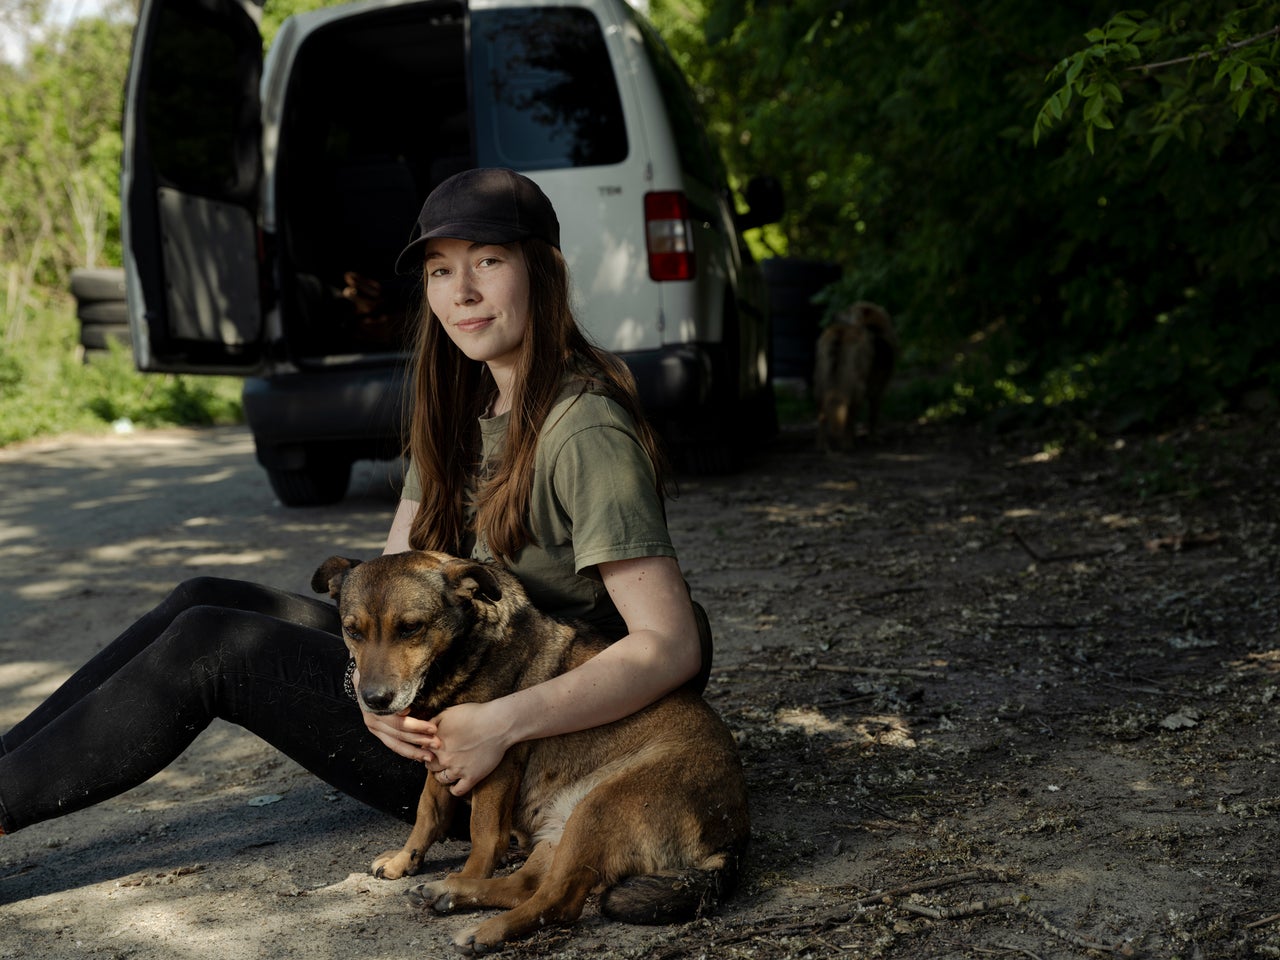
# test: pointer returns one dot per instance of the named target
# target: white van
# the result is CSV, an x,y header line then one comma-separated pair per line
x,y
264,205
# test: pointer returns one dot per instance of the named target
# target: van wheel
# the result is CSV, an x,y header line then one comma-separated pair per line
x,y
724,438
721,437
313,485
707,442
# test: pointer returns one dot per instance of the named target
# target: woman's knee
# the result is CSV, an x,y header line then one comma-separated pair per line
x,y
197,630
200,592
249,597
212,627
238,640
213,651
188,616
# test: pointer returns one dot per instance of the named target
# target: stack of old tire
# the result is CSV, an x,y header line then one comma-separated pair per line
x,y
101,308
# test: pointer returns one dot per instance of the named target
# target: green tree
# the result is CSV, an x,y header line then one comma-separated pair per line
x,y
275,12
1191,77
1116,285
61,106
19,22
60,158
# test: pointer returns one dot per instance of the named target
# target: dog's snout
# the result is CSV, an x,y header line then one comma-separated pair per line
x,y
378,699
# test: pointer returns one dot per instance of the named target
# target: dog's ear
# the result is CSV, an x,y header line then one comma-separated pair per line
x,y
328,578
471,580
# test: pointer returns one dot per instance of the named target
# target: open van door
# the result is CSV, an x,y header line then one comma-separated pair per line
x,y
192,165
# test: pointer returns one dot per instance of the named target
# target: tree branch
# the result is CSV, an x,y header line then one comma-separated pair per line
x,y
1148,67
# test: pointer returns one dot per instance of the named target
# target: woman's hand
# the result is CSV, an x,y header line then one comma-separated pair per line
x,y
460,747
468,741
400,732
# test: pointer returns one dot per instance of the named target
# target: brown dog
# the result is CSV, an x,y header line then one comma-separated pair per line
x,y
855,359
650,810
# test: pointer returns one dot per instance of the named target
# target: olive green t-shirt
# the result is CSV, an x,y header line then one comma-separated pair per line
x,y
594,500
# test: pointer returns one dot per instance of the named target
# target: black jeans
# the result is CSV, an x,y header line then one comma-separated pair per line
x,y
270,661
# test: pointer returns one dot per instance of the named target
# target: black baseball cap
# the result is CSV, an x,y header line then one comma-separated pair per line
x,y
484,205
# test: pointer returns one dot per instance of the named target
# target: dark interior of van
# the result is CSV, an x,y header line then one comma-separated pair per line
x,y
377,113
374,117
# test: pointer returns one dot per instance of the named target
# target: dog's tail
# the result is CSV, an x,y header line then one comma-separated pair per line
x,y
677,896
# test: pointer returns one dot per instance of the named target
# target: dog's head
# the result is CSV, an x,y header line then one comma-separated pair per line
x,y
404,616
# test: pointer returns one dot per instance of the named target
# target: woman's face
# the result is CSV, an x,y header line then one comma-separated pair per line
x,y
480,293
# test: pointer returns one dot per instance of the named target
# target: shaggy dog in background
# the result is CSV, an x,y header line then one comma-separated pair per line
x,y
855,358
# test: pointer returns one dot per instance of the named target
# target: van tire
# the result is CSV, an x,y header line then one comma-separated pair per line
x,y
704,442
727,436
720,438
314,485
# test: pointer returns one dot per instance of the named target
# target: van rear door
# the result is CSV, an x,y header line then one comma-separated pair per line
x,y
190,187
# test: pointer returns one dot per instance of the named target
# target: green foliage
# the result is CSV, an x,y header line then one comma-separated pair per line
x,y
11,375
1192,70
60,156
60,112
1096,249
1187,464
115,391
1037,273
275,12
46,387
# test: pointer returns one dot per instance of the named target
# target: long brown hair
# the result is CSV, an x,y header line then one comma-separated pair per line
x,y
449,392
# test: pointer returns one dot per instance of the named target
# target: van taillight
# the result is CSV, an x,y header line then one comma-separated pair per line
x,y
669,234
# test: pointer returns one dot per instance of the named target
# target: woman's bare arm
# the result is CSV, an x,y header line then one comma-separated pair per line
x,y
659,653
398,535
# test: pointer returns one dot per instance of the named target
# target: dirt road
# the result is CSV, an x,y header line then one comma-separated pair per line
x,y
990,704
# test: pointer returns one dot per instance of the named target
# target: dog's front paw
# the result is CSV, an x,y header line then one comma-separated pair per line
x,y
395,864
435,895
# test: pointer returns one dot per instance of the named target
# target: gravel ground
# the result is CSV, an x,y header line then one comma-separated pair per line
x,y
991,703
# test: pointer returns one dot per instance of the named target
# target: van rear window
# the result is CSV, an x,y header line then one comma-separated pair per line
x,y
200,103
544,90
